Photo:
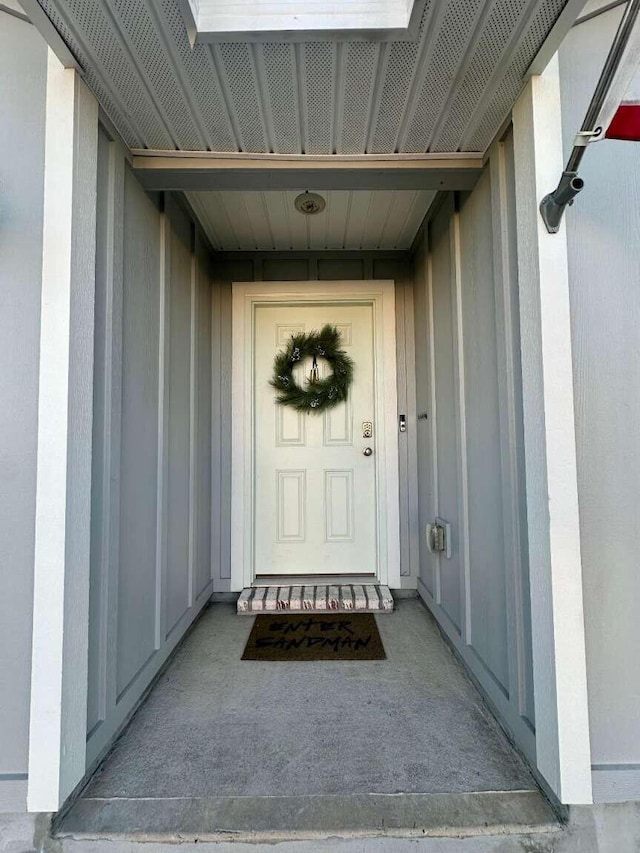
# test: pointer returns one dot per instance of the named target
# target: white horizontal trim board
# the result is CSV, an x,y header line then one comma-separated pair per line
x,y
468,157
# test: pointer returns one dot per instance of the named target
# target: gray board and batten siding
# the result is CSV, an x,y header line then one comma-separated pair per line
x,y
160,541
470,444
23,72
603,229
151,472
160,522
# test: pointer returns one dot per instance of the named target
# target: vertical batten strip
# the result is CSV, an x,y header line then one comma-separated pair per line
x,y
403,496
164,356
204,451
461,417
507,380
193,427
432,414
113,412
59,672
226,434
413,567
216,469
102,416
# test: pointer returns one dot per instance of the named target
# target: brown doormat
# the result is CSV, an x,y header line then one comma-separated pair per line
x,y
314,637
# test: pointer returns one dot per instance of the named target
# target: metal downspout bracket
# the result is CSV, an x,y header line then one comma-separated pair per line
x,y
553,205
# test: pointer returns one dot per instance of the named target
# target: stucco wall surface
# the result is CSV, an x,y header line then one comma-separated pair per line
x,y
603,229
23,57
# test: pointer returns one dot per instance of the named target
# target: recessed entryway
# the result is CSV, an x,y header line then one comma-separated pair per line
x,y
223,745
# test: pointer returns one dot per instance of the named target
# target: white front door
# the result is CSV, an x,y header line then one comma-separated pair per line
x,y
315,489
305,500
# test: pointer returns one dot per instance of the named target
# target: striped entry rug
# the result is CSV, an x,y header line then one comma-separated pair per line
x,y
365,598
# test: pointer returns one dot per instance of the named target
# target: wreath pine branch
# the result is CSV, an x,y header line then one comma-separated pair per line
x,y
323,393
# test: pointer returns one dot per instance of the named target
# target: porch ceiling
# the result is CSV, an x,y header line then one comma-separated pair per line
x,y
351,220
449,89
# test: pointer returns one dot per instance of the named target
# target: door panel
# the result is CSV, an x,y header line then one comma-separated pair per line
x,y
315,491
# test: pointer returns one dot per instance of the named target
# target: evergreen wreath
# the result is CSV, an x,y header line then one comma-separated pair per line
x,y
318,394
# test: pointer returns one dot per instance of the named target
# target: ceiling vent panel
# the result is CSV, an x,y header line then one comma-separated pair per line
x,y
395,89
319,78
500,105
505,19
456,30
204,94
91,38
357,84
151,53
93,19
447,86
238,69
278,61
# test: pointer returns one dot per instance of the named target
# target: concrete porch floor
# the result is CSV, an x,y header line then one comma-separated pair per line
x,y
228,746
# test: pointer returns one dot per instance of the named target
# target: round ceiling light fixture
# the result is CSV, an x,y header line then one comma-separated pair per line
x,y
310,203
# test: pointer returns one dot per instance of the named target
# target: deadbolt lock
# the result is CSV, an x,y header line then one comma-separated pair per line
x,y
367,429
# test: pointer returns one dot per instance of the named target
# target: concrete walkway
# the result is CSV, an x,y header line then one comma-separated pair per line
x,y
225,744
613,828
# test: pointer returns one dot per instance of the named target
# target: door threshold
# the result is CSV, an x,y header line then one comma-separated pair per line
x,y
313,580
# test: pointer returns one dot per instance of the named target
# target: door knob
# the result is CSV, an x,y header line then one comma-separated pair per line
x,y
367,451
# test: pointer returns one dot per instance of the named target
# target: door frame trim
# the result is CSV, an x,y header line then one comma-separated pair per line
x,y
246,297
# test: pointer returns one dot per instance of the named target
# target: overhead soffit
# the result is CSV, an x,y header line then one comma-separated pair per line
x,y
271,20
267,221
449,89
